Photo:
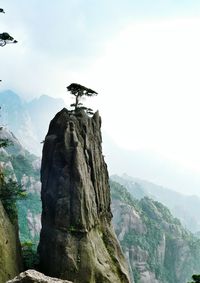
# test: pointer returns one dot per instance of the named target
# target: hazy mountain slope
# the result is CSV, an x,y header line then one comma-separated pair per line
x,y
157,247
146,229
28,120
186,208
41,111
16,118
148,165
24,167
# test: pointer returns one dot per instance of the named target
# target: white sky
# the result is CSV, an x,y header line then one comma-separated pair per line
x,y
149,82
146,70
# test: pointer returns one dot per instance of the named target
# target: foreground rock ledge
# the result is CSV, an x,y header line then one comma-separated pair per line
x,y
77,239
32,276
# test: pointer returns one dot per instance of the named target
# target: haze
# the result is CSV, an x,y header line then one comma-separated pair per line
x,y
142,57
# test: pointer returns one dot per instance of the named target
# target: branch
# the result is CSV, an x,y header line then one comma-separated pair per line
x,y
5,38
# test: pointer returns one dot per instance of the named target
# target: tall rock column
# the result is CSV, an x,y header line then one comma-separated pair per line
x,y
77,240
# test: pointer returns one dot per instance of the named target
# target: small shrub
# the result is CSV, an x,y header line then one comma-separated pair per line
x,y
196,278
10,192
30,256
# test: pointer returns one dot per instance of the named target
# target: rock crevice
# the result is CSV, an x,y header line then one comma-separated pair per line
x,y
77,241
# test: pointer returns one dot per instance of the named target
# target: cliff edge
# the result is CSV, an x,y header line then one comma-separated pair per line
x,y
10,256
77,241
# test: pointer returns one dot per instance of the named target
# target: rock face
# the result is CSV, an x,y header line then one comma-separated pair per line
x,y
24,168
28,120
77,240
157,247
32,276
10,257
185,207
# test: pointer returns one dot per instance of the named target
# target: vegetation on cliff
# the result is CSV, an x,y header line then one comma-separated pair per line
x,y
196,279
23,171
79,92
156,244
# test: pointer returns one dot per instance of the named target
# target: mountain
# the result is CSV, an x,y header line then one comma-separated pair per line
x,y
184,207
41,111
148,165
77,241
156,245
28,120
23,167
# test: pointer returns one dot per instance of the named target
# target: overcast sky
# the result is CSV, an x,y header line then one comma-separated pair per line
x,y
143,57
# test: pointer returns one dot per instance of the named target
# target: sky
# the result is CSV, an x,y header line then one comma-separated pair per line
x,y
142,57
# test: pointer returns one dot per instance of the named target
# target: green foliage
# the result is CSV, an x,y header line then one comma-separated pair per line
x,y
10,192
136,276
160,230
30,256
22,166
5,142
196,278
79,91
120,193
32,203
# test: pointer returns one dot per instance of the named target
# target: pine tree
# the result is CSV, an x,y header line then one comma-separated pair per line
x,y
79,91
6,38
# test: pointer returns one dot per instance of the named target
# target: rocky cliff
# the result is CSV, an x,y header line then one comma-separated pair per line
x,y
27,119
157,247
77,240
23,167
10,257
185,207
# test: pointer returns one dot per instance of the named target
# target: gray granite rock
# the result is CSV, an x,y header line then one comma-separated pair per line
x,y
32,276
77,239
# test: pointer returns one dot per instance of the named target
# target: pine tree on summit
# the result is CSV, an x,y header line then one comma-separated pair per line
x,y
79,91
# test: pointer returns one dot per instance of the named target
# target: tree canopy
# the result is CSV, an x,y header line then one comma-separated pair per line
x,y
5,38
196,278
79,91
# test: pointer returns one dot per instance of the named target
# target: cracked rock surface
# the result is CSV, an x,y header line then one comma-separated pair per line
x,y
77,239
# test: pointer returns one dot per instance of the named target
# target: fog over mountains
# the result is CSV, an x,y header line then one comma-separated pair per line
x,y
148,165
185,208
29,122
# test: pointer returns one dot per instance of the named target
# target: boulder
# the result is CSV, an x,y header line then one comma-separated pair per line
x,y
33,276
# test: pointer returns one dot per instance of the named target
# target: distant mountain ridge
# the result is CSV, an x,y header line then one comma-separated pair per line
x,y
157,247
149,165
28,120
186,208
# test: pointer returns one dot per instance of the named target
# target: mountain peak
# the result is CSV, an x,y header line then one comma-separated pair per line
x,y
76,213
